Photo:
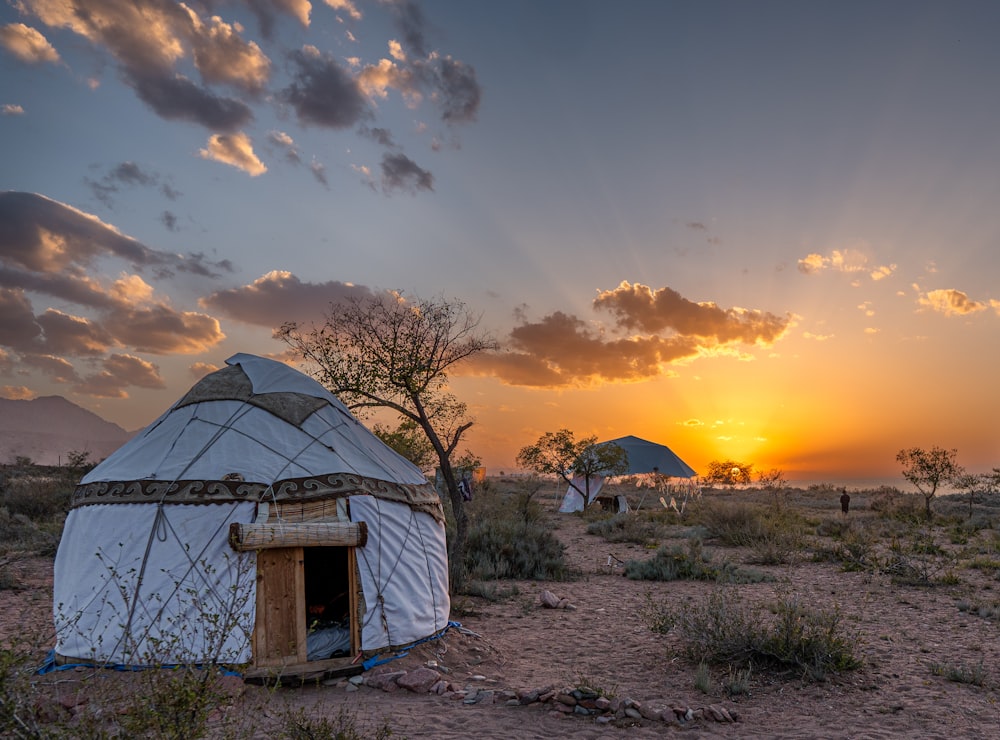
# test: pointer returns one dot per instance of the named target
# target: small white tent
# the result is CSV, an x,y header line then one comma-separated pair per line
x,y
643,457
254,510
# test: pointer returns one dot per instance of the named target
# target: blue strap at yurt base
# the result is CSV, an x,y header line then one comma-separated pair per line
x,y
379,660
50,666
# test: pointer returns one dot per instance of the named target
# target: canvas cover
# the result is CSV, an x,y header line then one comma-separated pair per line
x,y
144,557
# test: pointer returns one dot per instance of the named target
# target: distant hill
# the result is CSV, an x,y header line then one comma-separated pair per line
x,y
45,429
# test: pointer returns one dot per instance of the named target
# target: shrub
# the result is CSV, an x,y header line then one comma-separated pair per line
x,y
676,564
976,675
773,532
297,724
626,528
724,629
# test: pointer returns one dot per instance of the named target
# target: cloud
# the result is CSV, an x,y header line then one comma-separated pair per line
x,y
637,307
57,368
324,93
73,335
127,174
287,144
177,98
27,44
235,150
120,371
199,370
11,109
187,63
279,297
851,261
951,302
347,6
562,350
399,172
52,252
318,170
148,39
17,393
46,237
653,330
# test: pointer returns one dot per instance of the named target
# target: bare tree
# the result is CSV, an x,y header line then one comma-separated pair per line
x,y
387,351
558,453
928,470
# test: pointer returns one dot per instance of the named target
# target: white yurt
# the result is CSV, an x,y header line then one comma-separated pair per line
x,y
255,523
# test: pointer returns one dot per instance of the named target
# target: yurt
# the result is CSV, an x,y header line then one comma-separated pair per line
x,y
256,523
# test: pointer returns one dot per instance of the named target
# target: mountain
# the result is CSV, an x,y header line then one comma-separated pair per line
x,y
46,429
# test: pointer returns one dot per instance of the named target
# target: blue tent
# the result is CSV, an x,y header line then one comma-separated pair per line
x,y
649,457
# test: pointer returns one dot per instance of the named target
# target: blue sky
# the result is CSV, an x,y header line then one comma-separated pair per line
x,y
759,230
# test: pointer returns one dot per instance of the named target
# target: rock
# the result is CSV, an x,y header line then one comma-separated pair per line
x,y
549,600
602,703
420,680
650,713
384,679
567,699
440,687
633,713
718,713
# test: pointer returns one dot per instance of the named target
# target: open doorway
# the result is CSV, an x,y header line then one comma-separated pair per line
x,y
328,602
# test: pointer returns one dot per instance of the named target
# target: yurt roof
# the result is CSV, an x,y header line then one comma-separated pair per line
x,y
256,430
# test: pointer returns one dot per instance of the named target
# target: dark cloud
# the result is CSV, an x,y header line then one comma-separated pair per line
x,y
324,93
18,328
128,174
119,372
56,252
637,307
73,335
410,22
147,38
159,329
58,369
399,172
177,98
381,136
460,91
295,301
52,239
561,350
653,330
319,172
169,220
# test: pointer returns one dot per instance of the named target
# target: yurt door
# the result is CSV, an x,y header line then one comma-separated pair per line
x,y
280,632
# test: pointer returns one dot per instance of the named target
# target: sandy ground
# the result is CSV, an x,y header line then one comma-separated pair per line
x,y
902,633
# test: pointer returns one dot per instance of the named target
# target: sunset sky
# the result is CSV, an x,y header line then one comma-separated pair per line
x,y
761,231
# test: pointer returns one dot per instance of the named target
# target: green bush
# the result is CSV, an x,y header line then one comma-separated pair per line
x,y
742,524
509,538
626,527
725,630
676,564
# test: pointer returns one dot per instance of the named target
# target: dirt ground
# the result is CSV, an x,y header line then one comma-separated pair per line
x,y
907,636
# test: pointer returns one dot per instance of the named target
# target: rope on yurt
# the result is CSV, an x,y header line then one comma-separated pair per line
x,y
159,520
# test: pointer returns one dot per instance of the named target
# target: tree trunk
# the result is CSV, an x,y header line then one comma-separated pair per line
x,y
457,547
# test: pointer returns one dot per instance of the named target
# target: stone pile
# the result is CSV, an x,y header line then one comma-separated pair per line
x,y
580,701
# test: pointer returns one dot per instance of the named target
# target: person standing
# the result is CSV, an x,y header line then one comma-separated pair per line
x,y
845,501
